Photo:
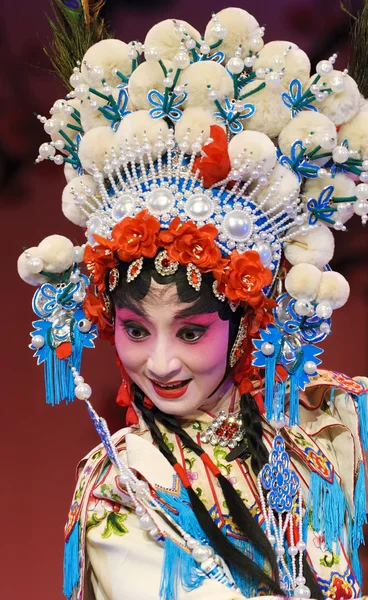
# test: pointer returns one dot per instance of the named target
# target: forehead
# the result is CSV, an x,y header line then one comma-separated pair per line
x,y
162,299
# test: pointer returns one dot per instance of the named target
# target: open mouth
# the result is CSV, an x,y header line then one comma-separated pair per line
x,y
174,389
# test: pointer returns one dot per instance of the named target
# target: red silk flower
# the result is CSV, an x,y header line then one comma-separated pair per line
x,y
99,258
215,166
244,278
136,236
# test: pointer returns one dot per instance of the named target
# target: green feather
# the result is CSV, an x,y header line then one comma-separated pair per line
x,y
76,25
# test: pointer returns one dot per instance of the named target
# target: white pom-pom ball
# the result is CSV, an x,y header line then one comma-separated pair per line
x,y
356,132
56,251
139,124
23,269
302,127
256,146
166,37
195,122
271,114
333,289
344,187
69,172
198,76
242,29
146,77
341,105
302,281
318,250
91,116
69,207
107,54
281,184
94,146
295,64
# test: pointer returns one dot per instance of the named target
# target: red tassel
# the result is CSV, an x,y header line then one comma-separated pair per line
x,y
64,350
124,398
210,464
182,475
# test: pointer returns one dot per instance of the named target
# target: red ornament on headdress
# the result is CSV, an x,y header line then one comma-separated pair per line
x,y
215,166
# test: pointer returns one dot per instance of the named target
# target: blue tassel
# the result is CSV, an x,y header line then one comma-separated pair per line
x,y
248,587
327,508
278,410
71,562
362,408
360,518
294,400
179,564
59,383
270,370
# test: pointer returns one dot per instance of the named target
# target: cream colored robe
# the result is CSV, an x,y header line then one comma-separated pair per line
x,y
120,561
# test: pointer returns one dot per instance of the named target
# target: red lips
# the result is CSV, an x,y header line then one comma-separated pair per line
x,y
171,392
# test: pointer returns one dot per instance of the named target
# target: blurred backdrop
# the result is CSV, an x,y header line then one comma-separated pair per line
x,y
42,445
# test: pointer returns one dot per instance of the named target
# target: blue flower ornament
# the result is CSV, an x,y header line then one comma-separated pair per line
x,y
278,479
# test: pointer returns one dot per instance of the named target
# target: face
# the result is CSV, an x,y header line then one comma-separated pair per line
x,y
176,360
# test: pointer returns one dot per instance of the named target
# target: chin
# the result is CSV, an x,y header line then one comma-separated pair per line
x,y
179,407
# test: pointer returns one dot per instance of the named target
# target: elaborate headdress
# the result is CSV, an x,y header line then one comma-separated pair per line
x,y
218,153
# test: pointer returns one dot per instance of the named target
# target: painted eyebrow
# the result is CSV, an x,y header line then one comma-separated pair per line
x,y
190,311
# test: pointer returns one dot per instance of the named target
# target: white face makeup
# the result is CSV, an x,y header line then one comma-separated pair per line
x,y
176,360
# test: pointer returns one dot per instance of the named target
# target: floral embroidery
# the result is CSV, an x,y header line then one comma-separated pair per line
x,y
169,444
197,426
220,454
329,560
111,507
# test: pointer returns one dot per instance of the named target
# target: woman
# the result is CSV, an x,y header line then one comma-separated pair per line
x,y
241,470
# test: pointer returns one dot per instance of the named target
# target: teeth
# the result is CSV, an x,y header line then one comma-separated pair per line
x,y
170,387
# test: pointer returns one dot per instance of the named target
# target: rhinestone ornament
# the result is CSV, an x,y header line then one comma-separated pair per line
x,y
225,430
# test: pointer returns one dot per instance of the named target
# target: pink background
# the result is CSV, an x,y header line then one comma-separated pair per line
x,y
41,445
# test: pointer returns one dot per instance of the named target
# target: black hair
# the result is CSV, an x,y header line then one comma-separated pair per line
x,y
129,295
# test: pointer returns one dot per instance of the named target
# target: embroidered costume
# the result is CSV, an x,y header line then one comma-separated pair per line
x,y
226,157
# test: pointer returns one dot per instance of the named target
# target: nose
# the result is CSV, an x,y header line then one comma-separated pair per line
x,y
162,363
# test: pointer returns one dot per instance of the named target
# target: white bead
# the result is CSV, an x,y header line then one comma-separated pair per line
x,y
324,67
75,79
84,325
293,551
238,225
272,79
78,252
199,207
300,580
302,592
151,54
271,539
38,341
82,91
212,95
256,44
361,208
363,176
260,73
140,510
168,81
303,307
204,49
337,84
314,88
146,522
51,125
325,327
322,173
181,60
340,154
123,207
267,348
46,150
249,61
200,553
190,44
35,265
218,31
278,63
324,310
154,532
365,165
310,367
191,543
361,191
280,550
235,65
327,142
132,54
78,379
78,296
58,159
301,546
265,253
160,201
83,391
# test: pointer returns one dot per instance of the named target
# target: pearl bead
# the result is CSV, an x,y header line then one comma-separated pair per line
x,y
293,551
154,532
337,84
82,91
74,278
132,54
322,173
168,81
46,150
200,553
361,208
83,391
267,348
191,543
218,31
38,341
325,327
212,95
301,546
340,154
84,325
95,74
204,49
151,54
160,201
280,550
35,265
324,67
272,539
272,80
146,522
324,310
78,379
302,592
365,165
238,225
78,252
279,424
59,145
123,207
235,65
190,44
363,176
303,307
58,159
314,88
199,207
300,580
327,142
310,367
260,73
51,126
265,253
140,510
249,61
181,60
278,63
75,79
361,191
256,44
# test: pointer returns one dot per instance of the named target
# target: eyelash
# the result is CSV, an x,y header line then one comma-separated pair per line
x,y
130,326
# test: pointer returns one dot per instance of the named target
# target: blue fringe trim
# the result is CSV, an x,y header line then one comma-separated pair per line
x,y
294,400
71,562
178,564
360,518
270,369
59,383
327,508
362,408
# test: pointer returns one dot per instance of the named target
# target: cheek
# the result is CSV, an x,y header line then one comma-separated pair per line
x,y
131,354
210,354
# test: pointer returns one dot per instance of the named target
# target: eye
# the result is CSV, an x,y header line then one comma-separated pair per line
x,y
135,331
191,334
